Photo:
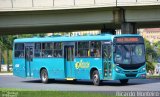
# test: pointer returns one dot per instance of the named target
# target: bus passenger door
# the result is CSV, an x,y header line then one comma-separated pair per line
x,y
69,61
28,60
107,61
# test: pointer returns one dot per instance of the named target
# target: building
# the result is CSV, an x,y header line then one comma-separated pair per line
x,y
151,34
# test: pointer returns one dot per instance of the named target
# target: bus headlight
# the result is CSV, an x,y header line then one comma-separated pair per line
x,y
118,70
142,69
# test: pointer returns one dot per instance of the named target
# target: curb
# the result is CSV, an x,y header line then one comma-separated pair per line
x,y
6,73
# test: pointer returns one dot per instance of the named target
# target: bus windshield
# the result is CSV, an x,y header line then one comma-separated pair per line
x,y
129,54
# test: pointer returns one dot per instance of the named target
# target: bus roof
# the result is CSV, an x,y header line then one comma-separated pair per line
x,y
72,38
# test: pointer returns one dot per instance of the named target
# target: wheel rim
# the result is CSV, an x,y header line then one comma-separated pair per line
x,y
44,76
95,78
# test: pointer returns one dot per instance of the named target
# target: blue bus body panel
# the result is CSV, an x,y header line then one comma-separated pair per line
x,y
69,69
84,65
54,66
19,67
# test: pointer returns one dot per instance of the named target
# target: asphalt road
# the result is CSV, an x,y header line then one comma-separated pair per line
x,y
9,81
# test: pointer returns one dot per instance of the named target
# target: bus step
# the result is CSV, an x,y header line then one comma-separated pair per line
x,y
107,78
70,78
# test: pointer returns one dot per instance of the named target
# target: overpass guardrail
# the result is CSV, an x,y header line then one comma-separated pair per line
x,y
25,5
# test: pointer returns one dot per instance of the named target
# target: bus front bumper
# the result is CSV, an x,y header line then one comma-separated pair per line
x,y
118,76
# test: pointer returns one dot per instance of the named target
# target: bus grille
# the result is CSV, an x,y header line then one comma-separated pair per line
x,y
131,66
131,75
131,71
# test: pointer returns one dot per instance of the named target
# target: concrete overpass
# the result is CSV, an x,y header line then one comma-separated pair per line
x,y
29,16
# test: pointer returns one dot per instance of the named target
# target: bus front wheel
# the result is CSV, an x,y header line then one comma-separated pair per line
x,y
124,81
96,78
44,76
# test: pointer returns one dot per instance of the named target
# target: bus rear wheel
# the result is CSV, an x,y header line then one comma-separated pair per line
x,y
124,81
96,78
44,76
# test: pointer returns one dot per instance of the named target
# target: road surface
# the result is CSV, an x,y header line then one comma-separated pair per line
x,y
10,81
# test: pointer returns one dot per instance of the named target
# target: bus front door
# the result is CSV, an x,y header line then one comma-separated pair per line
x,y
69,61
28,60
107,61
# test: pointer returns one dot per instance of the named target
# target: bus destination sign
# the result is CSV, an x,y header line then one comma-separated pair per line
x,y
128,40
132,39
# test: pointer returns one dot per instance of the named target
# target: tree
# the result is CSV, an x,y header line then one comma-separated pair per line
x,y
157,49
150,53
6,44
0,57
149,66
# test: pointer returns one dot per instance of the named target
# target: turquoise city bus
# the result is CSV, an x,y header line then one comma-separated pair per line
x,y
96,58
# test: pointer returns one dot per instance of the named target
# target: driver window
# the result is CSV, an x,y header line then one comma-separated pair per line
x,y
118,54
138,53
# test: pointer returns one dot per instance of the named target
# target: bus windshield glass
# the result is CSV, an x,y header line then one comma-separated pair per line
x,y
129,53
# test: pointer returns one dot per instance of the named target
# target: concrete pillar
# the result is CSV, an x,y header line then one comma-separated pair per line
x,y
128,28
118,15
119,19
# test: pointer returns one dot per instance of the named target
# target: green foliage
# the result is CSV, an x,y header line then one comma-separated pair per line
x,y
150,53
157,48
149,66
6,44
4,57
6,41
150,50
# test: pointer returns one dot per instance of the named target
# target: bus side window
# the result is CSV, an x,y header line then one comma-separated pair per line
x,y
76,49
95,48
19,50
37,52
83,49
58,48
47,49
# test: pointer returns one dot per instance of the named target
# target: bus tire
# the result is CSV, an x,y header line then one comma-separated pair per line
x,y
124,81
44,76
96,78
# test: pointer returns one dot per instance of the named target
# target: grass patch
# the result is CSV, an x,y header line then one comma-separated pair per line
x,y
153,76
30,93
